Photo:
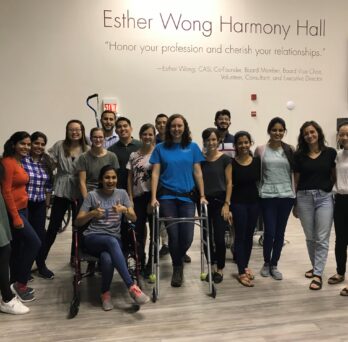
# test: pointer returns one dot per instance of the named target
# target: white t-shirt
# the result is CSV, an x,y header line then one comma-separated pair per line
x,y
341,185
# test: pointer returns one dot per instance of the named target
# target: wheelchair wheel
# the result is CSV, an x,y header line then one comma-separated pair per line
x,y
66,219
261,240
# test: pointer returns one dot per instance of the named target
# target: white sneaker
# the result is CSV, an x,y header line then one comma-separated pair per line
x,y
14,307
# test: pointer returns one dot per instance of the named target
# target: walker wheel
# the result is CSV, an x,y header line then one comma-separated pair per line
x,y
213,292
74,308
154,295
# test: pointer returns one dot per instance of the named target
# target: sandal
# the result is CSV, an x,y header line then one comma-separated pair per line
x,y
335,279
309,274
344,292
245,280
317,283
249,273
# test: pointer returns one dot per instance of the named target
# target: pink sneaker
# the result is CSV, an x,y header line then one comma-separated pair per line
x,y
106,301
139,296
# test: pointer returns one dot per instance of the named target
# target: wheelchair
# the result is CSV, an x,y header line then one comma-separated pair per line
x,y
129,245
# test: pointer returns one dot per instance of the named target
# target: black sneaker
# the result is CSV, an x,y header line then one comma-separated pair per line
x,y
45,273
23,295
164,250
187,259
30,279
177,276
217,277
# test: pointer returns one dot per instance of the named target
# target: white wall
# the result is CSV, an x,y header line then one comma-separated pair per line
x,y
54,54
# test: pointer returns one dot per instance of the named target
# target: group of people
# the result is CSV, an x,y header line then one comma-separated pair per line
x,y
111,177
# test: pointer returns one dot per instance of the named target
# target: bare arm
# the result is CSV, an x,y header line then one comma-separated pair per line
x,y
296,180
83,185
225,211
128,212
84,217
197,174
130,185
156,169
333,175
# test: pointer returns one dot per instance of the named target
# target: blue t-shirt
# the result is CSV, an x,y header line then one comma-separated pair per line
x,y
177,167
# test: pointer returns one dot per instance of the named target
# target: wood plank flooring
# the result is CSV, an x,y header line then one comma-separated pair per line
x,y
271,311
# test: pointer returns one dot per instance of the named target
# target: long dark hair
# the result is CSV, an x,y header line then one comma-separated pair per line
x,y
9,146
102,172
238,135
186,137
274,121
209,131
67,141
288,150
302,146
47,162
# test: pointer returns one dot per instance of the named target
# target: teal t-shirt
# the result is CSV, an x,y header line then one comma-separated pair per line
x,y
276,175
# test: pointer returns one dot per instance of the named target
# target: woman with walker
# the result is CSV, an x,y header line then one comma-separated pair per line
x,y
176,170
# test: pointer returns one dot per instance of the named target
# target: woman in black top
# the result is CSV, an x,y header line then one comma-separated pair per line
x,y
217,177
314,177
244,203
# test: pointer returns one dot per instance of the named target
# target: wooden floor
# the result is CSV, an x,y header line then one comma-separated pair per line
x,y
271,311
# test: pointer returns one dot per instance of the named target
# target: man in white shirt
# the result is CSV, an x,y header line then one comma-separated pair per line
x,y
108,120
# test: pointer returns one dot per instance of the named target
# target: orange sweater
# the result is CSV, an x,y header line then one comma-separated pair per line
x,y
13,189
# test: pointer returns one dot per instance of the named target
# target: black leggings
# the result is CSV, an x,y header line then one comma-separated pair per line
x,y
60,206
5,289
217,226
341,221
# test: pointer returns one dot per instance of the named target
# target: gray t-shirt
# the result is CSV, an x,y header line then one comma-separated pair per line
x,y
110,224
92,165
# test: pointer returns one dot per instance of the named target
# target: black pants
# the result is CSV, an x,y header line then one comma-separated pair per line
x,y
59,208
217,226
341,229
6,292
140,207
37,218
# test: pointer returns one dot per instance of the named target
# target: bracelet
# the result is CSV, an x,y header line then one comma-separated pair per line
x,y
227,202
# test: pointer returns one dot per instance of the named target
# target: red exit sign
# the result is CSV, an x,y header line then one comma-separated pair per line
x,y
110,106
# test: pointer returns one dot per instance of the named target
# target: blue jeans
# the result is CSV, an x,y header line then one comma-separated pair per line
x,y
315,210
180,235
109,251
25,246
245,219
275,212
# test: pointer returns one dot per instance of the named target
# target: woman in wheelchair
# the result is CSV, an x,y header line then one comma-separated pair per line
x,y
102,210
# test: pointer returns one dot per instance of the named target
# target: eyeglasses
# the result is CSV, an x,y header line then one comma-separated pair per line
x,y
75,130
97,138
